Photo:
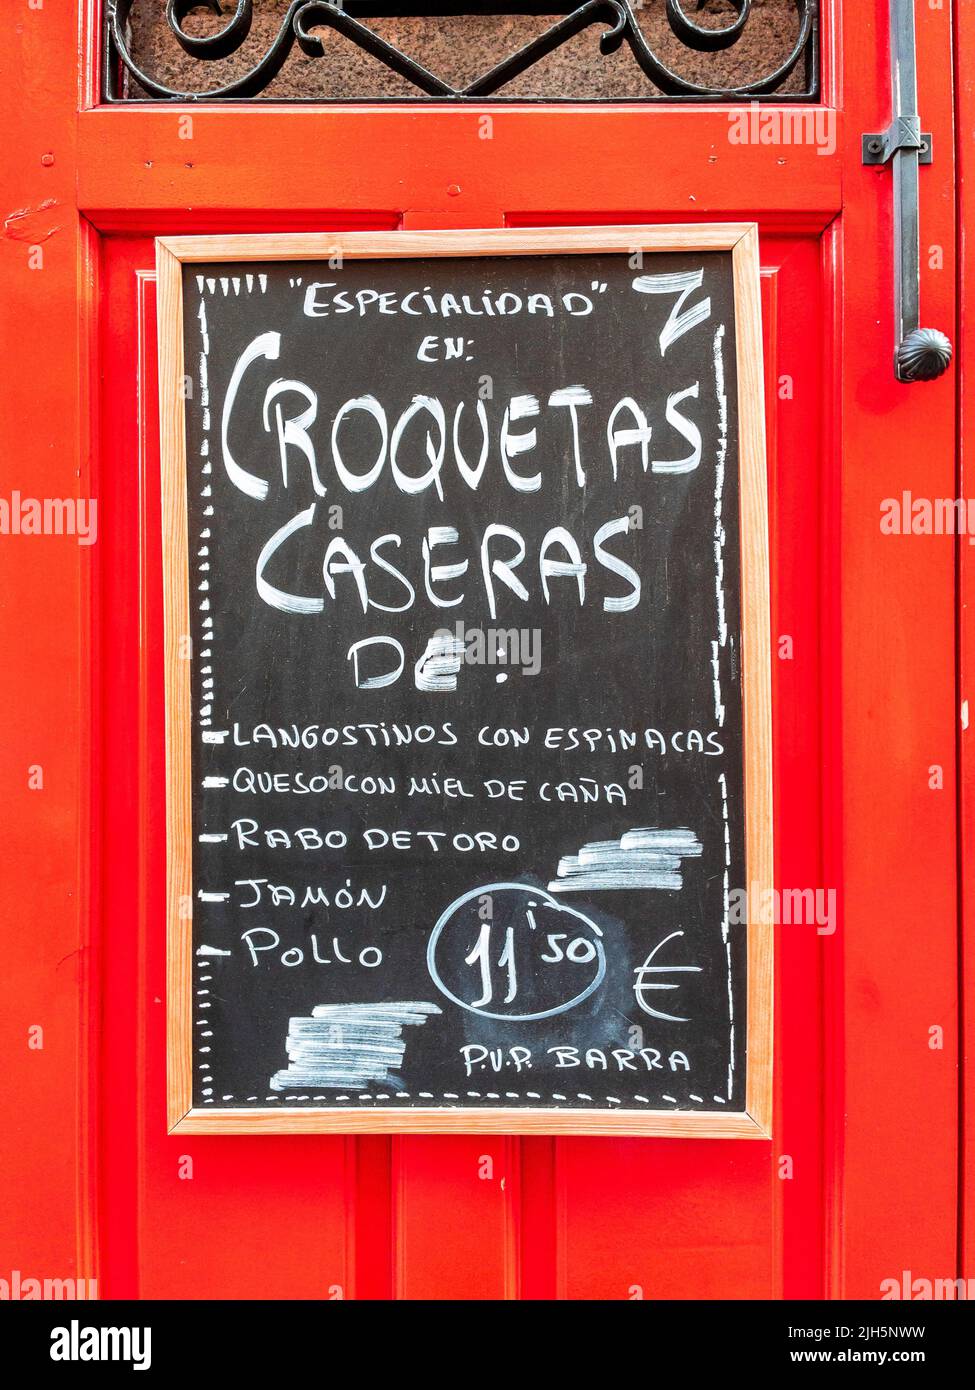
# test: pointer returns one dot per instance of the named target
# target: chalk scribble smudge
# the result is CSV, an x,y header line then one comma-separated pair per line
x,y
639,859
350,1045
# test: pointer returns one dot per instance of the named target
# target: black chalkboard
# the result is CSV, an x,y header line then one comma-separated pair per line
x,y
463,562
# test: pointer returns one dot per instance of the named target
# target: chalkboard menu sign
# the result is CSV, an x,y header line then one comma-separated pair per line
x,y
467,681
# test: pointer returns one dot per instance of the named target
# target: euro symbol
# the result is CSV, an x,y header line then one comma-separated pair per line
x,y
641,985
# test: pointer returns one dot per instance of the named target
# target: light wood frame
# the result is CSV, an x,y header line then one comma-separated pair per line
x,y
741,238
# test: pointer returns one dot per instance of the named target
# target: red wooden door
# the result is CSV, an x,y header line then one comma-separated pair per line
x,y
859,1182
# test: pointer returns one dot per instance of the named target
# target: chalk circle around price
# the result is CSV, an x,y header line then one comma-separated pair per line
x,y
531,944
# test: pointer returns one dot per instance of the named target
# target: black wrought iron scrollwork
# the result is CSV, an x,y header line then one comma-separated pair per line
x,y
708,40
617,18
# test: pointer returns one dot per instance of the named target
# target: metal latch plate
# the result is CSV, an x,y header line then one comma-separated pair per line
x,y
902,134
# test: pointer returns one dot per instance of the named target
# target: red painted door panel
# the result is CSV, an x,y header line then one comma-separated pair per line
x,y
665,1218
859,1181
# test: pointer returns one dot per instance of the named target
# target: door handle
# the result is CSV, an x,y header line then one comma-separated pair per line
x,y
921,354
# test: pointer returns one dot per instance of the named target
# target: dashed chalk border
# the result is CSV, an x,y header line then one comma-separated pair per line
x,y
233,284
